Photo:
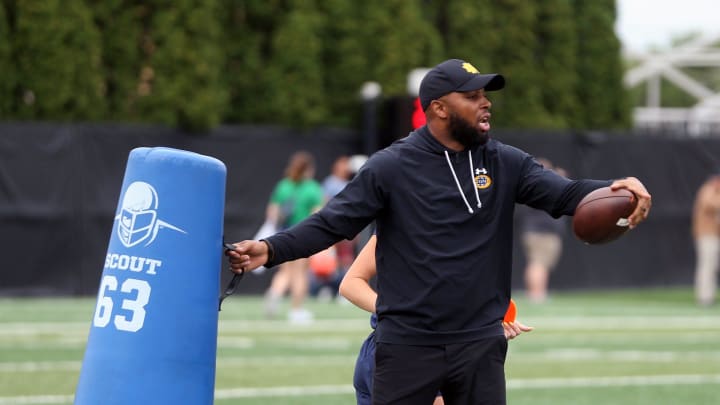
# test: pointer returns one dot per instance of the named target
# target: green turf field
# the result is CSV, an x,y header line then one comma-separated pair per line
x,y
621,347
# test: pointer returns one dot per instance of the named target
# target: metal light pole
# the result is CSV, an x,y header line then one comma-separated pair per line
x,y
370,93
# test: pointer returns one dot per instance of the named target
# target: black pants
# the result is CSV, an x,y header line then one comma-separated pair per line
x,y
466,373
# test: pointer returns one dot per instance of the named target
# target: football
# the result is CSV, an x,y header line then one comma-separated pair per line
x,y
601,216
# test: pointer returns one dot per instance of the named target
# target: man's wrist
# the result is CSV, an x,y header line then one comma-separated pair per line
x,y
270,251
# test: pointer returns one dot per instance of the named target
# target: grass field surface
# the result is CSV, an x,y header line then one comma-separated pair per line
x,y
651,346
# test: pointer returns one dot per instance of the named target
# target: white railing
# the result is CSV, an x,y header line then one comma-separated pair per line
x,y
701,119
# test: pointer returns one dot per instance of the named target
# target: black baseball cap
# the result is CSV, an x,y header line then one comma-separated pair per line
x,y
456,75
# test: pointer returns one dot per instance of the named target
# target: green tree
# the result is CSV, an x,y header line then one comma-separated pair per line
x,y
601,94
466,31
248,28
345,60
58,52
197,63
7,71
394,51
182,64
556,56
519,105
296,69
120,23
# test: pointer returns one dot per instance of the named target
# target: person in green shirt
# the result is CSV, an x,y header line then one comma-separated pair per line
x,y
295,197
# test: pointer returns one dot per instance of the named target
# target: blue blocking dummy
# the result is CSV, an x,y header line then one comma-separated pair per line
x,y
153,338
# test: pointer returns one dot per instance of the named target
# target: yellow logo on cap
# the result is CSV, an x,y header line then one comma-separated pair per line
x,y
469,68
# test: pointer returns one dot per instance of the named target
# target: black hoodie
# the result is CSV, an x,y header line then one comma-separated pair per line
x,y
444,252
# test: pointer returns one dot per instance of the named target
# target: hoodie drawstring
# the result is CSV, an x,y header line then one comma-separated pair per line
x,y
472,176
457,182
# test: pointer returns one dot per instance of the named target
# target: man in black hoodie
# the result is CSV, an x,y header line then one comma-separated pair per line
x,y
443,200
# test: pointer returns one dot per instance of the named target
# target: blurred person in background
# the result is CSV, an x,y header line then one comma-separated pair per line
x,y
542,239
294,198
324,283
362,238
706,233
338,178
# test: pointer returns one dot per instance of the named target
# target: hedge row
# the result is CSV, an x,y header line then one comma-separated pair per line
x,y
199,63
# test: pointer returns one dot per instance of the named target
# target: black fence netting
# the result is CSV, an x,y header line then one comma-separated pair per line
x,y
60,184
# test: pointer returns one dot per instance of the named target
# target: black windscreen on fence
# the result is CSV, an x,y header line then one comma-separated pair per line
x,y
60,184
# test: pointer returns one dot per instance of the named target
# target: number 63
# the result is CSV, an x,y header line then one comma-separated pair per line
x,y
103,311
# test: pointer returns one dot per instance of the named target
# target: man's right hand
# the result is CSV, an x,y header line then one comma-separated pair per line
x,y
247,255
515,329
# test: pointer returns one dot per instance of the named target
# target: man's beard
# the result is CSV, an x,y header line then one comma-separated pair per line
x,y
465,133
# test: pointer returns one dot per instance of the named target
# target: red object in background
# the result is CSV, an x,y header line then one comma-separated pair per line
x,y
418,115
324,263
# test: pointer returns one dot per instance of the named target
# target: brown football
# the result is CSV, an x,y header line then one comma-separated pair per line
x,y
601,216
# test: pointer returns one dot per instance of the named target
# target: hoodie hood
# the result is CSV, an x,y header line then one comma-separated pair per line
x,y
423,139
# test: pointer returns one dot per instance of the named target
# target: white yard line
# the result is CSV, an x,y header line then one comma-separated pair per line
x,y
37,399
34,366
564,355
258,326
619,381
513,384
327,360
547,323
229,393
654,356
623,322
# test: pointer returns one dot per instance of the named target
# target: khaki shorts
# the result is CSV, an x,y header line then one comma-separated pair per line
x,y
706,267
542,248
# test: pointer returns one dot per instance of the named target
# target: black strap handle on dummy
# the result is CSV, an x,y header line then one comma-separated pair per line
x,y
234,282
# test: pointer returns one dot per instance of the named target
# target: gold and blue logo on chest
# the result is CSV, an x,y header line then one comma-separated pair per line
x,y
482,179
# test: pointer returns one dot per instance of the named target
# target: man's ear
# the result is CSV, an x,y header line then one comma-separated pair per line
x,y
439,109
